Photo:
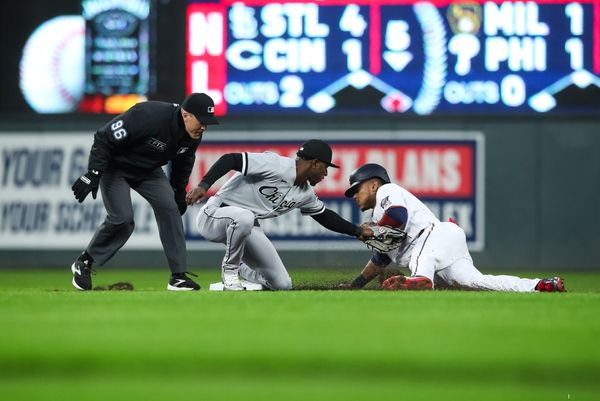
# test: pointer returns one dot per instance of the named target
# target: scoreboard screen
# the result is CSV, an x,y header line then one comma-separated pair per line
x,y
98,58
403,56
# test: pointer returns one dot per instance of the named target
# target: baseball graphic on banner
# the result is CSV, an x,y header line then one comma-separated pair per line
x,y
52,67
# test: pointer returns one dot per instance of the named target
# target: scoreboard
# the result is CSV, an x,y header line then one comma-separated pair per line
x,y
395,56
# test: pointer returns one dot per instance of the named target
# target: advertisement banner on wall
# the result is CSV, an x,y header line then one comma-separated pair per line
x,y
37,207
38,210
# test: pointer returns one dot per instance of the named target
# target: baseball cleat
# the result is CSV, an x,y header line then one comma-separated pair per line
x,y
402,282
249,286
181,282
82,275
231,280
418,283
554,284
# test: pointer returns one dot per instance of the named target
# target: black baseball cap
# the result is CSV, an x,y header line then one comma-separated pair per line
x,y
316,149
201,106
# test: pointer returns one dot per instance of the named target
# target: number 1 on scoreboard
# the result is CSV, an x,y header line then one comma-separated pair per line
x,y
354,23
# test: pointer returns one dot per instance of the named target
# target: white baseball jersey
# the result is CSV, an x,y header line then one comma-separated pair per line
x,y
437,250
265,186
419,217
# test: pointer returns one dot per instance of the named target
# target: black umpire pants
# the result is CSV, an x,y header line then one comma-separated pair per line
x,y
113,233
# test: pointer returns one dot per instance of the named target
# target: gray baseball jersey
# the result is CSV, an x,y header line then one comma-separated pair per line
x,y
265,186
263,189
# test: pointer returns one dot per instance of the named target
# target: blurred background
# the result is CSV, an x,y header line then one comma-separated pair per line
x,y
488,111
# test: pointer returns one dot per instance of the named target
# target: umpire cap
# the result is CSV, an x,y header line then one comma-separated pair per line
x,y
201,106
364,173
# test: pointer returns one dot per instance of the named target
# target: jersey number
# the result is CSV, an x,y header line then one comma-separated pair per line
x,y
118,132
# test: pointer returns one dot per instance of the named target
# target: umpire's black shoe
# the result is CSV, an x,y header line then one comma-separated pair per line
x,y
181,282
82,274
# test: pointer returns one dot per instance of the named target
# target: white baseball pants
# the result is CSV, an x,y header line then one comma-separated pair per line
x,y
441,252
247,249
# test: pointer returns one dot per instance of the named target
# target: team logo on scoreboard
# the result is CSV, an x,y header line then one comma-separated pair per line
x,y
464,18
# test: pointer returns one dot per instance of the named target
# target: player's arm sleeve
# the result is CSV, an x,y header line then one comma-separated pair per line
x,y
226,163
181,167
394,216
115,136
334,222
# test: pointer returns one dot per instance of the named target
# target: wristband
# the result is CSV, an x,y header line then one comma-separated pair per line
x,y
359,282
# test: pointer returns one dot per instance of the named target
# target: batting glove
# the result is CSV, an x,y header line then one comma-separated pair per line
x,y
85,184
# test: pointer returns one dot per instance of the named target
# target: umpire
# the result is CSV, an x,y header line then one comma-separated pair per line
x,y
128,153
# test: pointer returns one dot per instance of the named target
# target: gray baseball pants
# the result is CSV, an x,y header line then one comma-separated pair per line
x,y
247,249
113,233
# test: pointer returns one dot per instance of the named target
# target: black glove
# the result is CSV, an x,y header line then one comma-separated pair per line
x,y
85,184
180,200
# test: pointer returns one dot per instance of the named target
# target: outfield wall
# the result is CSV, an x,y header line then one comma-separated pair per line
x,y
527,199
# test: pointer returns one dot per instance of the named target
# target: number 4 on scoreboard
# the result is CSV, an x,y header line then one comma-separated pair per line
x,y
352,21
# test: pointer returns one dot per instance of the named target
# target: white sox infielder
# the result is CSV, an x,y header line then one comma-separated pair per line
x,y
434,251
267,185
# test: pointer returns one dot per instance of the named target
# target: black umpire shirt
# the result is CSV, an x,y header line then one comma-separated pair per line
x,y
147,136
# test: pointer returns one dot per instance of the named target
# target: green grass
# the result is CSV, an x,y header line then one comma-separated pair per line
x,y
150,344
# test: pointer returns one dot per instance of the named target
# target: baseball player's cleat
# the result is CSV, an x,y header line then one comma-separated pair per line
x,y
82,275
418,283
231,281
181,282
401,282
554,284
249,286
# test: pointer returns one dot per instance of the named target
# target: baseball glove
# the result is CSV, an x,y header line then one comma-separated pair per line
x,y
385,238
